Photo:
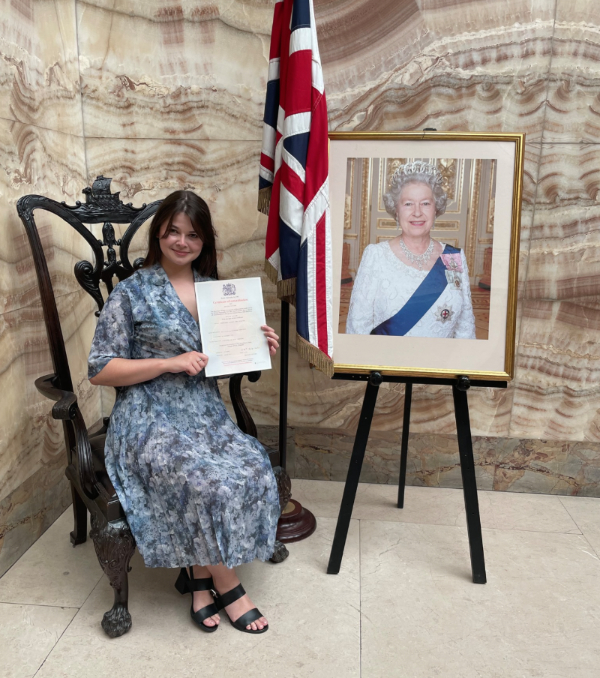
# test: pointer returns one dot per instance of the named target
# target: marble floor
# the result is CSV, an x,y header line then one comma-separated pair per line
x,y
403,604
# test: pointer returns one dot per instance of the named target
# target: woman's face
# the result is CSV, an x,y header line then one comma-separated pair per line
x,y
416,209
182,244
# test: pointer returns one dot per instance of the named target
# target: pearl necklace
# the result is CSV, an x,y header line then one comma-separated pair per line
x,y
418,259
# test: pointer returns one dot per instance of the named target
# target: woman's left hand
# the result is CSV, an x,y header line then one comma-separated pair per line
x,y
272,339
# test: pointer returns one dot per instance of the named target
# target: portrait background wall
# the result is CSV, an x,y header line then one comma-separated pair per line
x,y
482,176
468,222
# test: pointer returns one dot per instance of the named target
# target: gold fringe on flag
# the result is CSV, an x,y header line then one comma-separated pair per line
x,y
271,272
264,199
312,354
286,289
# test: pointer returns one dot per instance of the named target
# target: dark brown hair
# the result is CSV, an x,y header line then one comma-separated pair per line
x,y
192,205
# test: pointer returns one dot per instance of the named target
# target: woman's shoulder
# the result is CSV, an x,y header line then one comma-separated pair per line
x,y
371,257
133,284
450,249
377,250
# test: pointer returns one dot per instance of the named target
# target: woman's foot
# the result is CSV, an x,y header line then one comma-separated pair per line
x,y
204,598
225,580
240,607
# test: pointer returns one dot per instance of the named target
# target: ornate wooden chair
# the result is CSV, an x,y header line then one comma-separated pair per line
x,y
90,485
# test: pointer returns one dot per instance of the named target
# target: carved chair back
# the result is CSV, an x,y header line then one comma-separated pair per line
x,y
111,256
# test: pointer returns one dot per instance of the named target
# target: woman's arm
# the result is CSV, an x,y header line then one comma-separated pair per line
x,y
465,325
110,362
362,300
126,372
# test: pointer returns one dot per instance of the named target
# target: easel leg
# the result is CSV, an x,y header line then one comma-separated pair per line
x,y
467,469
356,461
404,447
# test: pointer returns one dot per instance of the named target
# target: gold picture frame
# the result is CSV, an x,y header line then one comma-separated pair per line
x,y
483,177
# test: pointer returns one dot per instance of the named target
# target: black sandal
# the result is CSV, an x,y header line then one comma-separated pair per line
x,y
187,584
224,599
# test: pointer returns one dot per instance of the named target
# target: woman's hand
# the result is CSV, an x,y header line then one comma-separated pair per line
x,y
272,339
191,363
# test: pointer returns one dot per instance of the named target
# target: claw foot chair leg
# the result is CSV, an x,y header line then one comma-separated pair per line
x,y
280,553
284,487
78,536
114,546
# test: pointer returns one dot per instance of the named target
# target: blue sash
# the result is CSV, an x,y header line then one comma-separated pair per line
x,y
423,298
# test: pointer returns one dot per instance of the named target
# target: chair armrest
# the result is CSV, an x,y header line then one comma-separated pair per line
x,y
66,400
67,409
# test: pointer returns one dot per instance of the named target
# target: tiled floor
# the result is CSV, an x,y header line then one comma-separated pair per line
x,y
403,604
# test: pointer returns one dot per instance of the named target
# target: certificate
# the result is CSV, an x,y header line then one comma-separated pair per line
x,y
230,314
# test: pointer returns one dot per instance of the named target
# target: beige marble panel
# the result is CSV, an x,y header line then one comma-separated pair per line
x,y
48,163
27,512
501,463
316,399
39,70
30,437
194,70
224,173
556,391
556,388
573,110
410,65
33,490
565,241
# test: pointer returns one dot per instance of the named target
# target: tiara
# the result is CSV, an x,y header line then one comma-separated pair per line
x,y
417,167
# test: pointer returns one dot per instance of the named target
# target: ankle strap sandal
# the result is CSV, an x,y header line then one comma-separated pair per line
x,y
224,599
187,584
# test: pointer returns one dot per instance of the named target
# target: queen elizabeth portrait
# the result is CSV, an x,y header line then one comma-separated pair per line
x,y
413,285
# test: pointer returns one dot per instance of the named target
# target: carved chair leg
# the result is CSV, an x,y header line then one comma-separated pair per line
x,y
284,487
114,546
79,534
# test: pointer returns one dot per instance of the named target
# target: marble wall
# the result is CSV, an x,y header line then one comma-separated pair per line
x,y
167,94
42,147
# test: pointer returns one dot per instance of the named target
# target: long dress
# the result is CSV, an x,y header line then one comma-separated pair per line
x,y
194,488
384,284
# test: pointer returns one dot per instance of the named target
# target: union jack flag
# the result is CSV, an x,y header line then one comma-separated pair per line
x,y
293,179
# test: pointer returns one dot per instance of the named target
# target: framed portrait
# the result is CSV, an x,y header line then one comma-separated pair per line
x,y
425,251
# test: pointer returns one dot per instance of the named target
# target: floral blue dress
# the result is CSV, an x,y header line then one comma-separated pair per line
x,y
194,488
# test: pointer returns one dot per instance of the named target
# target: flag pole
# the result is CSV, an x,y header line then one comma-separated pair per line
x,y
284,356
296,522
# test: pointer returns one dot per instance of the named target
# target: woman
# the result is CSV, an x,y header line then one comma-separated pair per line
x,y
412,285
195,489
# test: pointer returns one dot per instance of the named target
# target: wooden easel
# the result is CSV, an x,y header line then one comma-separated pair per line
x,y
460,387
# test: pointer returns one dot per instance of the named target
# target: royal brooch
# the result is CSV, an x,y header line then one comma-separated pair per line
x,y
444,314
